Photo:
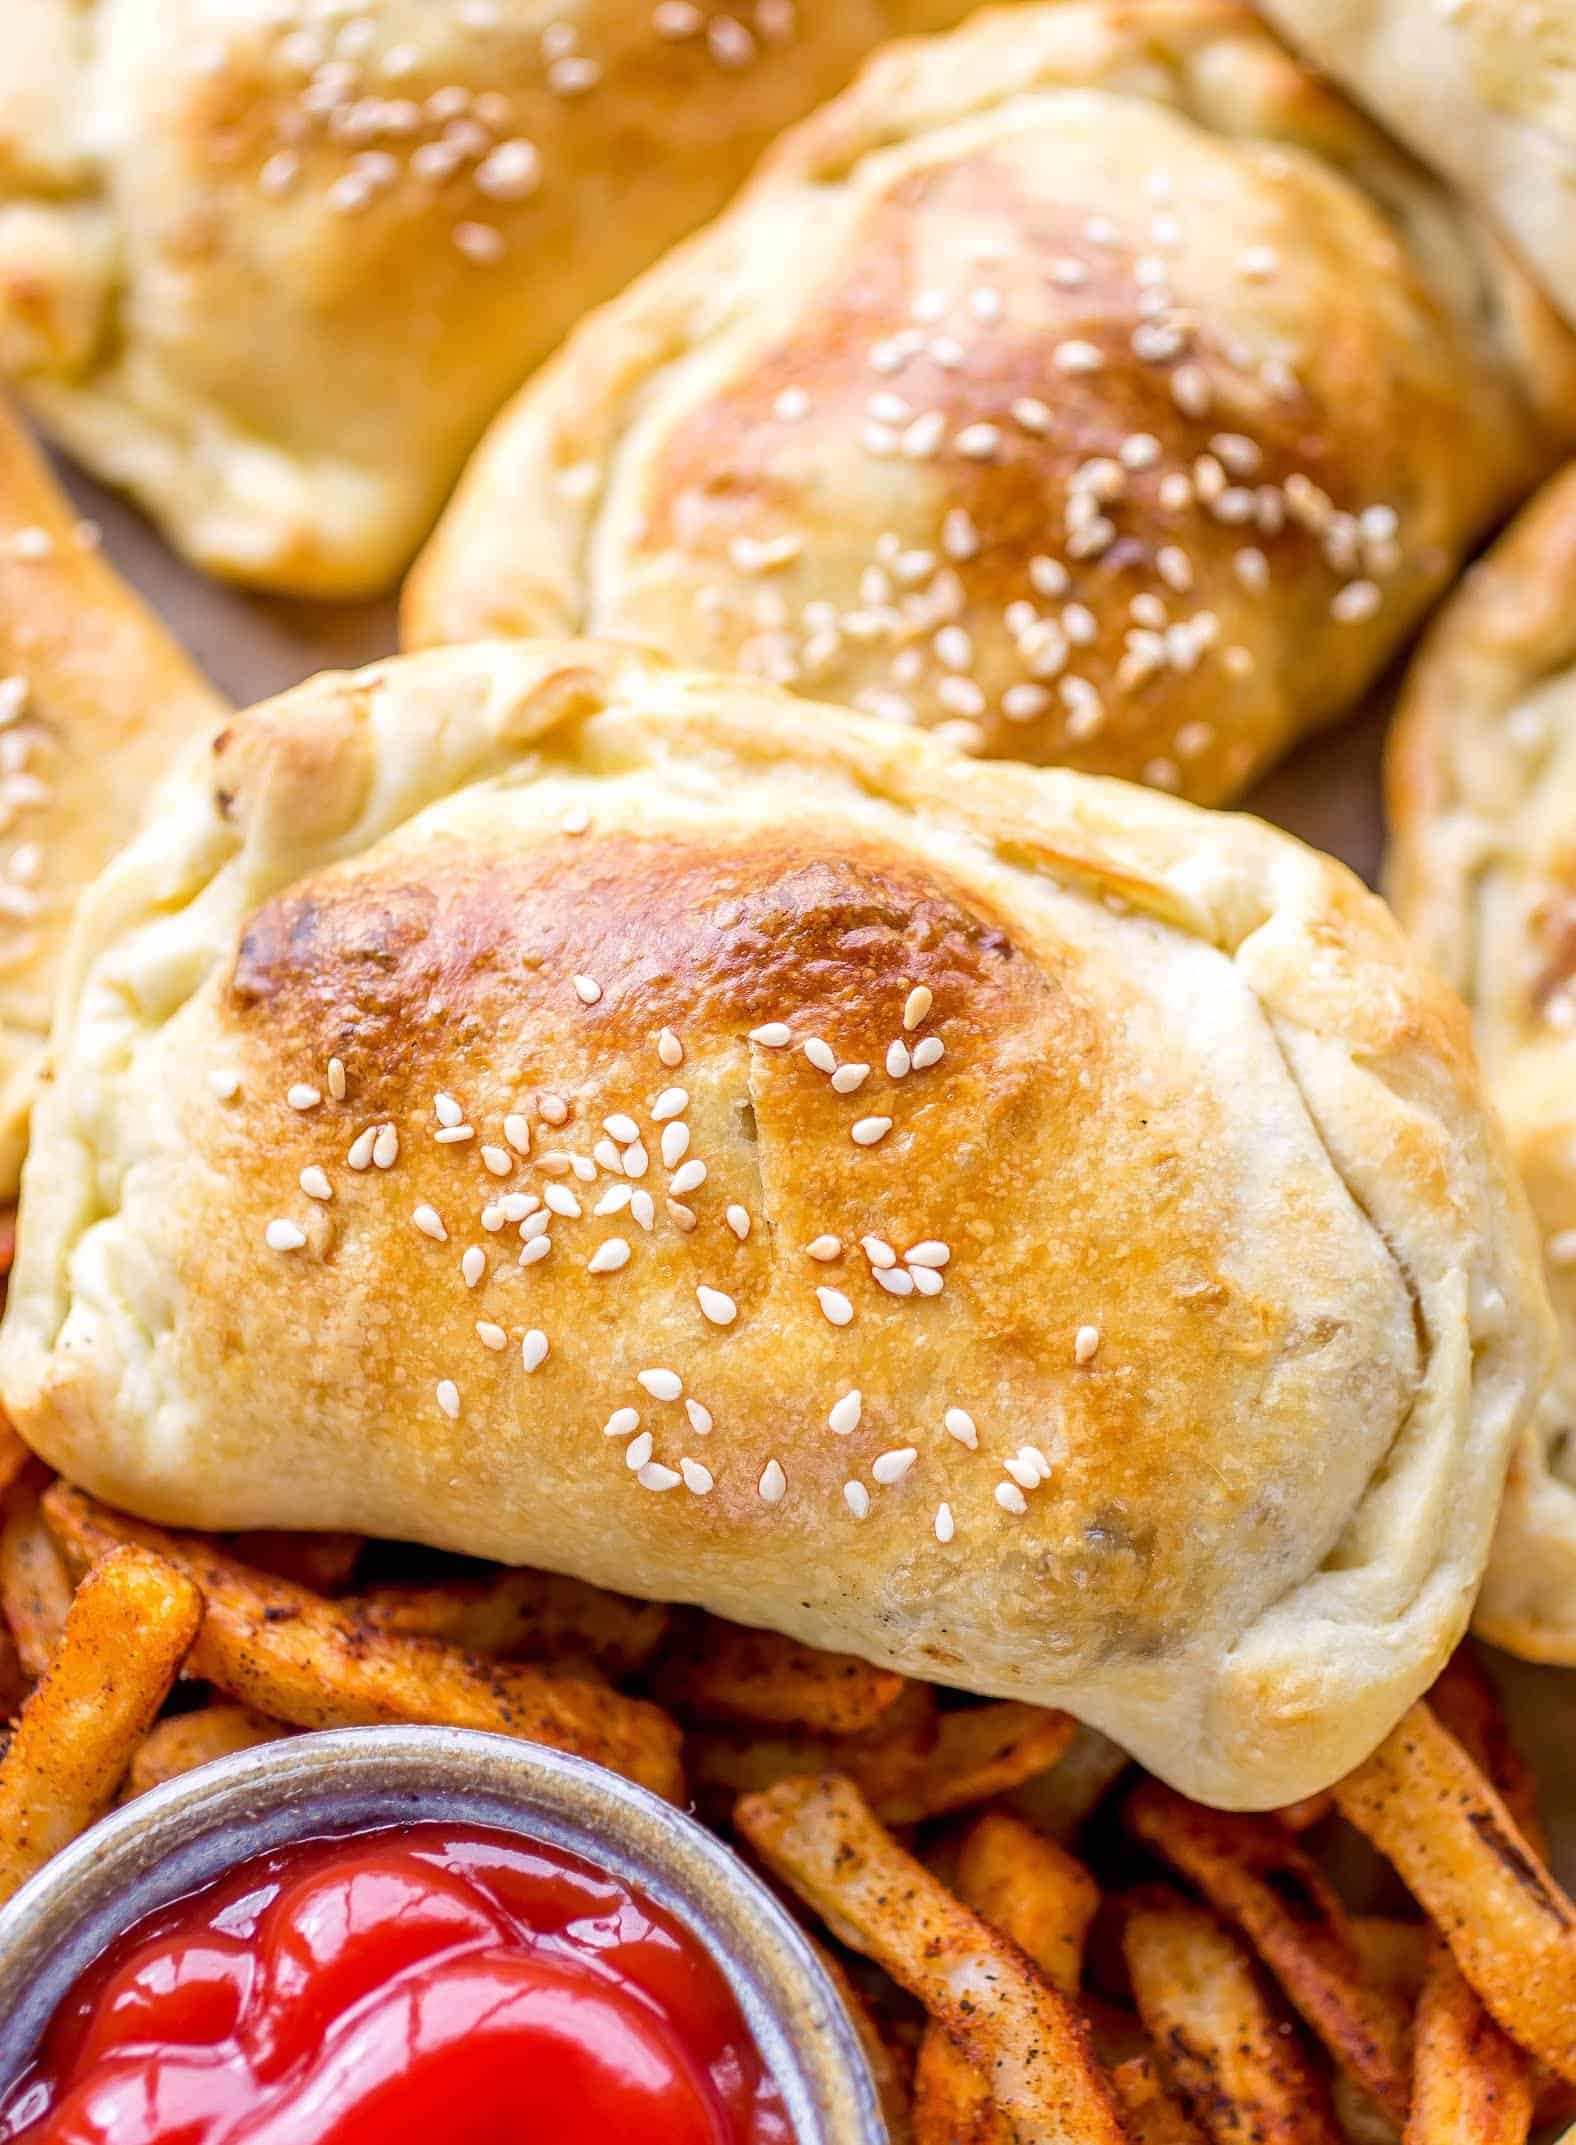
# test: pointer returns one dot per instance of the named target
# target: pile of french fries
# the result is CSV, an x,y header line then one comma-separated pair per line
x,y
1037,1943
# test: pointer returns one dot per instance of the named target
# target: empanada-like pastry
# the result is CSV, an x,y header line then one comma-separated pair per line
x,y
1482,795
96,701
1484,89
1010,1225
273,264
1092,384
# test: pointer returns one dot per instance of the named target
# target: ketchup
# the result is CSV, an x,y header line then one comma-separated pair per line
x,y
402,1987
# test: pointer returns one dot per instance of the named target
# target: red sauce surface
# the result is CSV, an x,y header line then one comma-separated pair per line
x,y
401,1987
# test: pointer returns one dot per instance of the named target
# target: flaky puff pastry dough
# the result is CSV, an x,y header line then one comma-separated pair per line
x,y
754,1013
1482,869
1484,89
1092,384
272,264
96,702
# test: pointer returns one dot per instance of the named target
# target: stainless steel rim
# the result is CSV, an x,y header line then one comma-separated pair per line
x,y
191,1830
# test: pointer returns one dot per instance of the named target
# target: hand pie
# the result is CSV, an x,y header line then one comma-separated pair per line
x,y
271,265
589,1113
1092,384
1482,793
95,702
1486,91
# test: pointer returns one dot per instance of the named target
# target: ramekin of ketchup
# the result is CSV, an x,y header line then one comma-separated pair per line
x,y
391,1937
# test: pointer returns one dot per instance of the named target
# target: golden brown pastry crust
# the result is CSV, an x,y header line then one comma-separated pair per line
x,y
1093,384
1482,870
273,267
96,701
1484,89
1235,1292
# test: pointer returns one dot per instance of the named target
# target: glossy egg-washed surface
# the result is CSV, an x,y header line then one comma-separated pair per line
x,y
1482,792
273,266
1092,384
460,1134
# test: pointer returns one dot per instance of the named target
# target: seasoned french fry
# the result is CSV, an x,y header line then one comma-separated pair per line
x,y
1034,1892
1254,1873
529,1613
712,1670
979,1751
13,1684
1303,1816
1425,1805
1059,1802
181,1744
324,1562
1466,1705
1471,2086
298,1658
1153,2114
1242,2075
892,2087
823,1839
7,1237
130,1627
885,1761
35,1586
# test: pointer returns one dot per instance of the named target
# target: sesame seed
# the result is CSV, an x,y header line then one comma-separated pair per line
x,y
688,1178
314,1182
719,1307
917,1005
559,1199
892,1466
1085,1342
979,442
868,1130
622,1128
878,1251
681,1216
639,1451
634,1160
669,1049
960,1424
857,1499
449,1398
825,1248
738,1221
700,1417
643,1208
896,1280
587,989
554,1109
773,1483
608,1257
1036,1459
1357,600
473,1265
661,1384
835,1306
1077,356
1191,390
849,1078
927,1282
1011,1498
535,1250
447,1110
696,1477
385,1147
430,1223
225,1083
498,1160
302,1097
820,1055
510,172
897,1060
532,1225
772,1036
654,1476
945,1528
792,404
670,1103
454,1135
336,1079
491,1336
607,1156
1024,1472
613,1200
1561,1248
623,1422
284,1236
